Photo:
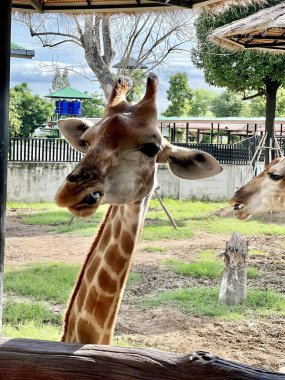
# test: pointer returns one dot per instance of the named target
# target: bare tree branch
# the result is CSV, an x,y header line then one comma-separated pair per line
x,y
150,38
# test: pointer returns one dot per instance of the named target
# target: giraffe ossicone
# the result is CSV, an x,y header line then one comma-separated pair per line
x,y
264,193
122,152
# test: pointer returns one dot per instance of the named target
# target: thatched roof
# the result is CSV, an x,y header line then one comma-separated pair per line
x,y
264,30
42,6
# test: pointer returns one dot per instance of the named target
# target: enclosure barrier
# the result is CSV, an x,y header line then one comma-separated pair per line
x,y
58,150
41,360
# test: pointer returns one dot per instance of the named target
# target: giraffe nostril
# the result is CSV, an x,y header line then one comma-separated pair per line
x,y
72,178
82,177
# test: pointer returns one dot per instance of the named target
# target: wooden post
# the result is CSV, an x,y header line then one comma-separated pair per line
x,y
5,47
233,285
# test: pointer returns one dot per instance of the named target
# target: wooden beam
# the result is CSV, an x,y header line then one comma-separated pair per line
x,y
5,47
37,5
34,359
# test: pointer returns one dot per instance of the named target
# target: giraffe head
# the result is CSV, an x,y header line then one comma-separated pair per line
x,y
121,153
263,193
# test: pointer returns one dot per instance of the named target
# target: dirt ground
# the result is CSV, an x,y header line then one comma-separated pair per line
x,y
259,342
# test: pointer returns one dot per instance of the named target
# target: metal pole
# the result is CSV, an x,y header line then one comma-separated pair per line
x,y
5,46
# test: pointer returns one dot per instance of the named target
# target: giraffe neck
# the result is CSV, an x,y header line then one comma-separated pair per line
x,y
94,304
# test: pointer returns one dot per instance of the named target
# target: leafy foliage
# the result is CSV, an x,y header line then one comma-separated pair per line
x,y
14,115
93,107
245,71
227,104
201,102
179,94
256,107
28,111
238,71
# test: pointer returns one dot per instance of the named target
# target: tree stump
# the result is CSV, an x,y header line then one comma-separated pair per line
x,y
233,285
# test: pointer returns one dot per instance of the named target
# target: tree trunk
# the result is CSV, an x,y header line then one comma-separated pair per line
x,y
99,54
271,87
233,285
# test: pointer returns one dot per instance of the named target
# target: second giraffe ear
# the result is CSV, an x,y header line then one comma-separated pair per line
x,y
73,129
189,163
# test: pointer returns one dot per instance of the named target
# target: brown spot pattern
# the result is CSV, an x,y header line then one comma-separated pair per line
x,y
98,306
114,211
104,241
117,228
81,295
106,282
134,228
111,320
92,268
86,332
114,259
127,242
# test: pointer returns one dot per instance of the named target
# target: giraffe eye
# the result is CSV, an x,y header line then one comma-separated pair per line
x,y
149,150
275,177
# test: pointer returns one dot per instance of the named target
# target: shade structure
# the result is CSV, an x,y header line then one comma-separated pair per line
x,y
264,30
68,93
81,6
18,51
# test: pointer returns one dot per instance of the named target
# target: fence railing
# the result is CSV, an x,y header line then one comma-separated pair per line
x,y
237,154
41,150
58,150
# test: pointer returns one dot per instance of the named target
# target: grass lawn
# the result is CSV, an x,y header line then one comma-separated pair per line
x,y
207,266
203,301
37,294
32,293
190,216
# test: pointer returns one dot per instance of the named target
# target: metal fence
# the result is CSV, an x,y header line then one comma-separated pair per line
x,y
41,150
58,150
237,154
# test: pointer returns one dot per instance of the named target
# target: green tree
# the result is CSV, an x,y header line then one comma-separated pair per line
x,y
201,102
179,94
227,104
93,107
32,111
14,114
256,107
244,71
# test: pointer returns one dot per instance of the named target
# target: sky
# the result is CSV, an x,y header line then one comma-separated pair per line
x,y
38,72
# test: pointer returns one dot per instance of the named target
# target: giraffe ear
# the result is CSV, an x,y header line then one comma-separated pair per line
x,y
73,129
189,163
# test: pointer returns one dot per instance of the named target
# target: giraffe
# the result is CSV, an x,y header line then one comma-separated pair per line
x,y
121,156
264,193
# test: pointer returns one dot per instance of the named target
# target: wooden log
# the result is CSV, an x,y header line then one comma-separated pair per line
x,y
233,285
41,360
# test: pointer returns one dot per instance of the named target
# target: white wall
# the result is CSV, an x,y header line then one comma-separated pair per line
x,y
38,182
35,182
219,187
